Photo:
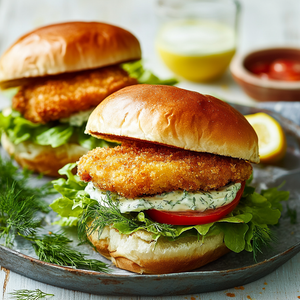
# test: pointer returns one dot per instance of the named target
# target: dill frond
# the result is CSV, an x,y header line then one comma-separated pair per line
x,y
19,202
11,175
29,294
96,217
19,206
55,248
262,237
17,214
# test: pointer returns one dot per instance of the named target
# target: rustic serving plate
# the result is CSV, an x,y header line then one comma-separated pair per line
x,y
229,271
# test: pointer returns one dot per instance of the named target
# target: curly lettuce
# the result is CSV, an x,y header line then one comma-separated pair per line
x,y
137,70
18,129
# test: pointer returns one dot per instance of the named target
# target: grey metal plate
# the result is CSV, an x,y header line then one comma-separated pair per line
x,y
229,271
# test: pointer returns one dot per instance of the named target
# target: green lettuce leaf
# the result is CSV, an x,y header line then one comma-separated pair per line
x,y
71,206
136,70
17,128
88,141
246,228
54,134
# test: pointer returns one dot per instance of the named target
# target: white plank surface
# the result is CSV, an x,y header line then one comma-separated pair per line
x,y
263,23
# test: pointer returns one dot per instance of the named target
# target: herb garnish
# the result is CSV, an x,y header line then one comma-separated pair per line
x,y
54,248
22,209
96,217
19,203
262,237
30,294
17,214
11,175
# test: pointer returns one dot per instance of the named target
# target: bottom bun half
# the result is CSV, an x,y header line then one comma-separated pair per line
x,y
42,159
139,253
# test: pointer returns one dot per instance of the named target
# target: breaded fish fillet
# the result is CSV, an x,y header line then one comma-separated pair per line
x,y
142,169
63,95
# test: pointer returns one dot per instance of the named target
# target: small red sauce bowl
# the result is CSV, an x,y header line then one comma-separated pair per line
x,y
263,88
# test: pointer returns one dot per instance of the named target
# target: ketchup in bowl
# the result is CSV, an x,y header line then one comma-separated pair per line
x,y
279,69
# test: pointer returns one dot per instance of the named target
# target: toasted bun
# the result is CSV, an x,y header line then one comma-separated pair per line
x,y
66,47
174,117
42,159
139,253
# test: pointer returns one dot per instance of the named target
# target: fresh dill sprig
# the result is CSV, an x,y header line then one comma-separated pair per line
x,y
99,216
19,202
262,238
30,294
54,248
17,214
96,217
19,207
12,175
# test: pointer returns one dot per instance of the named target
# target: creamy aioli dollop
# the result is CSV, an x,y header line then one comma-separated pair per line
x,y
172,201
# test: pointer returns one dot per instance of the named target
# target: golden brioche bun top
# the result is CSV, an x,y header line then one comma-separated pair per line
x,y
175,117
66,47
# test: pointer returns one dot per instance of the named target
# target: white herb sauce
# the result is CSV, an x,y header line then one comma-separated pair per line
x,y
172,201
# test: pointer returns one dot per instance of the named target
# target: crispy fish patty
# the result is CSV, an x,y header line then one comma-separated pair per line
x,y
134,170
63,95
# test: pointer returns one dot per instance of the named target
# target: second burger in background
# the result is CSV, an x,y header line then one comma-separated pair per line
x,y
63,71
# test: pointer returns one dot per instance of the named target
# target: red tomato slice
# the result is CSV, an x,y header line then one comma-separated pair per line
x,y
194,217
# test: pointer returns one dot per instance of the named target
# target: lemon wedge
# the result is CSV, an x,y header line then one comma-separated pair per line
x,y
271,137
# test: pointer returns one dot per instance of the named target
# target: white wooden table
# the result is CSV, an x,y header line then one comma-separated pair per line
x,y
263,23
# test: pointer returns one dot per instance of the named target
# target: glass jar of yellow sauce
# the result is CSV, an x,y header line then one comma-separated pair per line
x,y
197,38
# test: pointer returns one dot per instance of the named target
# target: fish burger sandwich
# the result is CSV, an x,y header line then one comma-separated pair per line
x,y
62,72
169,198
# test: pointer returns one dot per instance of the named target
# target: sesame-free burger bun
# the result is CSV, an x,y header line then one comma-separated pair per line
x,y
139,253
42,159
66,47
174,117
